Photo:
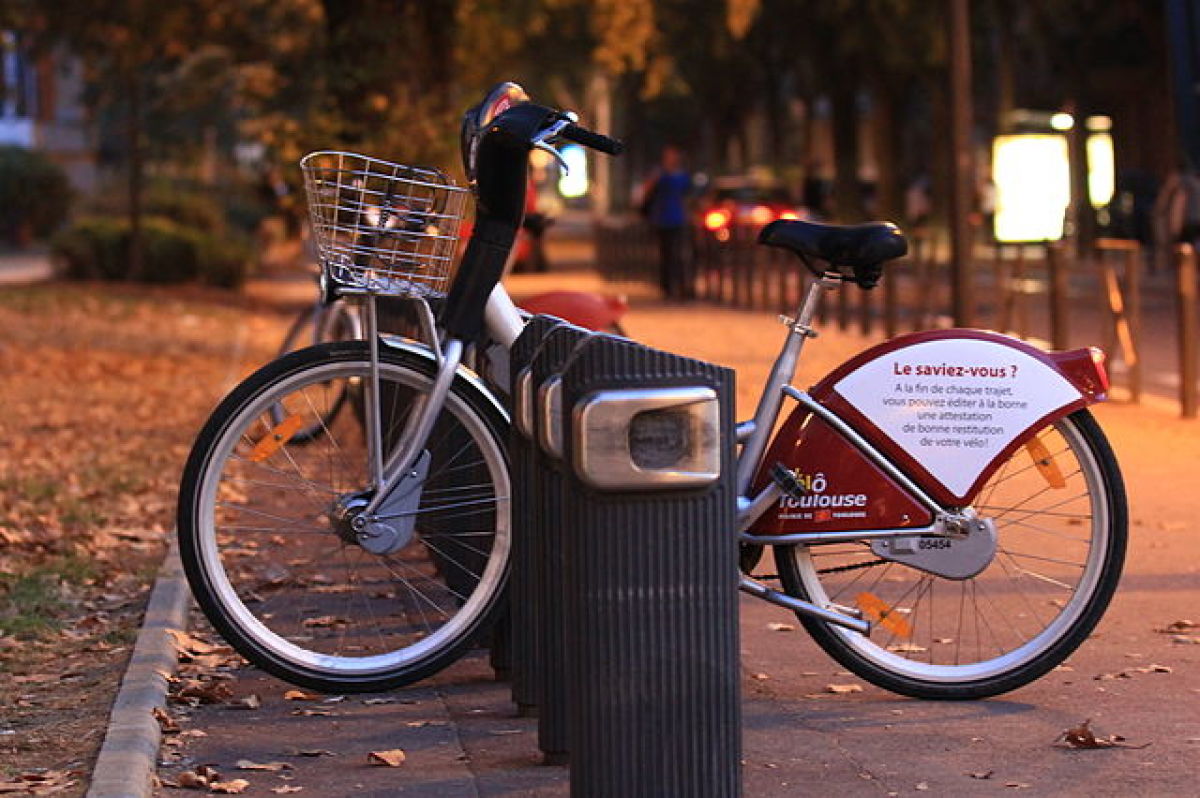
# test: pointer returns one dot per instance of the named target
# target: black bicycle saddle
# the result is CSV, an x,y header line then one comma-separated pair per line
x,y
860,247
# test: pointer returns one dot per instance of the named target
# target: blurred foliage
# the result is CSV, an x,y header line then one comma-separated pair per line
x,y
185,82
97,248
34,195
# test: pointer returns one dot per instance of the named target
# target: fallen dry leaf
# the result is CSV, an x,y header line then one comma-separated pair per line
x,y
393,758
39,782
273,767
1175,627
251,701
189,645
781,627
300,695
311,752
1081,736
190,780
981,774
325,622
166,723
842,689
286,789
234,787
1129,673
201,691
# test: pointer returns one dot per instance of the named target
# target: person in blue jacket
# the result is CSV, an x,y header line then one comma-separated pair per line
x,y
664,204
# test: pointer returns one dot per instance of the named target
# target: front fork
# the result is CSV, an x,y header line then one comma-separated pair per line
x,y
385,523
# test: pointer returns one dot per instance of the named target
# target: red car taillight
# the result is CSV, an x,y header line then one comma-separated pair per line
x,y
716,219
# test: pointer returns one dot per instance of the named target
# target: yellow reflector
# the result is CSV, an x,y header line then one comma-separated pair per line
x,y
1045,463
276,439
878,612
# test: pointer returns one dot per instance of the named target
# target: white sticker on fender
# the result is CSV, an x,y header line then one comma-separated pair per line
x,y
954,404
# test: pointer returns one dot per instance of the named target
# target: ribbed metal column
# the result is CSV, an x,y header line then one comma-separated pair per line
x,y
523,584
547,535
651,618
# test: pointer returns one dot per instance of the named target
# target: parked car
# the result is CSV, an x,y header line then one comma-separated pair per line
x,y
743,206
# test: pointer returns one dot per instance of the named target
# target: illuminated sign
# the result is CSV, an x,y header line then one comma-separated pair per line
x,y
1033,186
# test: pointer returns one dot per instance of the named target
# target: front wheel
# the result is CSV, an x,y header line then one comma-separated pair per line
x,y
1059,510
266,539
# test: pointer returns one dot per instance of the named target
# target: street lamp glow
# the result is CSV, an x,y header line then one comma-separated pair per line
x,y
573,182
1062,122
1033,186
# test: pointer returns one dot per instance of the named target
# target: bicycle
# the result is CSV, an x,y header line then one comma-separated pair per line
x,y
375,555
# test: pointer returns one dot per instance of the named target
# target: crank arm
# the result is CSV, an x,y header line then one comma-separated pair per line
x,y
759,590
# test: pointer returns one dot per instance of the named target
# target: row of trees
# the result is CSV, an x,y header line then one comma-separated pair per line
x,y
178,84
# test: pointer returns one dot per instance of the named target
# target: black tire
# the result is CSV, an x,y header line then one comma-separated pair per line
x,y
1043,507
302,599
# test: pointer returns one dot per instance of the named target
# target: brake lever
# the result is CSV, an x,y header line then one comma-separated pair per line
x,y
556,127
562,162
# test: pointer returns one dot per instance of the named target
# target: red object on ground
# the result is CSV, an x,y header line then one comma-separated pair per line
x,y
593,311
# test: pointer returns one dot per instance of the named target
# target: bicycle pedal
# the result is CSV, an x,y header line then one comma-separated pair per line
x,y
787,482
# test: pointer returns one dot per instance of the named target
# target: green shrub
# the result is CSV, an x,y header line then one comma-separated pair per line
x,y
98,249
34,195
185,206
95,248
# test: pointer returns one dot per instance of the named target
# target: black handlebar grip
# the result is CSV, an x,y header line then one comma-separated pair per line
x,y
596,141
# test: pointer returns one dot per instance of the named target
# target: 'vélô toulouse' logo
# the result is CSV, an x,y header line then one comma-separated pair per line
x,y
818,504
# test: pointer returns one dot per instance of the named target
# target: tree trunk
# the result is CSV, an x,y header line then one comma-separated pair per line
x,y
134,143
847,194
889,195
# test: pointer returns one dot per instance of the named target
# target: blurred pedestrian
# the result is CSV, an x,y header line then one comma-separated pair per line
x,y
664,204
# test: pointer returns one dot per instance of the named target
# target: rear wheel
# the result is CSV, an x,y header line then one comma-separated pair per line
x,y
266,540
1059,510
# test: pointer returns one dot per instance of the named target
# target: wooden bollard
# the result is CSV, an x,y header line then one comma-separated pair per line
x,y
1186,259
1056,264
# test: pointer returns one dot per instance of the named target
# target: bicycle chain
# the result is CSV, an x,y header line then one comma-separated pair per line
x,y
842,568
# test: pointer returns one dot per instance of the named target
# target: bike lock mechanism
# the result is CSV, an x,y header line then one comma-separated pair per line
x,y
648,439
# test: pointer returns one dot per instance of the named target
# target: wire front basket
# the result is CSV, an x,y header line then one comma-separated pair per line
x,y
382,227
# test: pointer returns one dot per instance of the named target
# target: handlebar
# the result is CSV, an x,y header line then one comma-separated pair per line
x,y
501,167
591,139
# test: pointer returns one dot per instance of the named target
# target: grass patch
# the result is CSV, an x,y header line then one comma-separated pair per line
x,y
32,602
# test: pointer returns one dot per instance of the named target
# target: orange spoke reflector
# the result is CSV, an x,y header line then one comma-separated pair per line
x,y
878,612
276,439
1045,464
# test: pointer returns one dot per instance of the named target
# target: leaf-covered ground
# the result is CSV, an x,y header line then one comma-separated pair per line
x,y
102,389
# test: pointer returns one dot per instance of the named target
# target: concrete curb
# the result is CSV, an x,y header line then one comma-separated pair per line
x,y
129,755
